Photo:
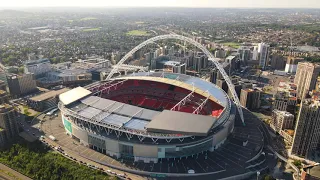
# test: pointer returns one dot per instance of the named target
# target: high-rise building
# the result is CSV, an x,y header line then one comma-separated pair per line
x,y
250,98
222,84
8,121
244,54
37,67
215,75
255,53
307,130
2,137
292,64
282,120
179,68
113,60
263,50
200,62
306,77
285,104
21,84
277,62
220,53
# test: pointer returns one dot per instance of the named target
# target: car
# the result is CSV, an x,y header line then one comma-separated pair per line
x,y
121,175
191,171
34,134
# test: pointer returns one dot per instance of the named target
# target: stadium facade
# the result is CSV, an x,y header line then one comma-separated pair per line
x,y
149,116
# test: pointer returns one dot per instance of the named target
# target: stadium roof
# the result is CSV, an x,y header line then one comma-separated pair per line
x,y
133,117
175,122
49,94
73,95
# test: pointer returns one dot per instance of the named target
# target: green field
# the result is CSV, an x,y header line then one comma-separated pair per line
x,y
137,33
232,44
91,29
88,18
139,22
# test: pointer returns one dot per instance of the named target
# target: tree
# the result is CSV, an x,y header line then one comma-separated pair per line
x,y
21,70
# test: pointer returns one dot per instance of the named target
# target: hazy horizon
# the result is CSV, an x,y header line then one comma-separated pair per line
x,y
164,3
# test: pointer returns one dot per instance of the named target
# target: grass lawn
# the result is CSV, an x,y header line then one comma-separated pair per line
x,y
232,44
91,29
87,18
137,33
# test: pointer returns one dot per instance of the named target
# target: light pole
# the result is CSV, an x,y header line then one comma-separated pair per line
x,y
258,173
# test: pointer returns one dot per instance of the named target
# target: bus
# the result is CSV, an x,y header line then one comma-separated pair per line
x,y
52,111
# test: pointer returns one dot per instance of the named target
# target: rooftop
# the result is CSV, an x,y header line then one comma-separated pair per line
x,y
49,94
174,122
125,115
73,95
31,62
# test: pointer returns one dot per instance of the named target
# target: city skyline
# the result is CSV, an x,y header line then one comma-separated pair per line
x,y
165,3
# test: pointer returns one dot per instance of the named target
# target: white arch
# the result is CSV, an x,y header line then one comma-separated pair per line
x,y
198,45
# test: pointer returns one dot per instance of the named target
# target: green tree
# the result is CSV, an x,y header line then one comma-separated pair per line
x,y
21,70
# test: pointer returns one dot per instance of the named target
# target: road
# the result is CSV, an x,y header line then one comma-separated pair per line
x,y
7,173
69,145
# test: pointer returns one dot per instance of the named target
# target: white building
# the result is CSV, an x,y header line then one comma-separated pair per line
x,y
292,64
263,50
37,67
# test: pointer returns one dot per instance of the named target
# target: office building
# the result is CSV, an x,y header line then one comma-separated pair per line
x,y
21,84
8,121
113,61
281,120
215,75
255,53
2,137
200,62
263,50
220,53
37,67
285,104
250,98
292,64
179,68
307,130
277,62
306,77
45,100
222,84
244,55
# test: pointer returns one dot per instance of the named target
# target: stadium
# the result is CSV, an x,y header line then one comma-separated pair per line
x,y
149,116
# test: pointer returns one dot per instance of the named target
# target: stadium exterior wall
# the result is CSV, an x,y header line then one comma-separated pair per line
x,y
152,152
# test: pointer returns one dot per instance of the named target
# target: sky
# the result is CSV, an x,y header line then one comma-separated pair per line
x,y
164,3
